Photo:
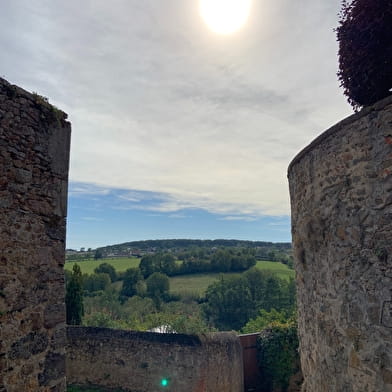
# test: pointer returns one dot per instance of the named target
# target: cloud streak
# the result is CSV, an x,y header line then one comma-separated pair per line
x,y
161,106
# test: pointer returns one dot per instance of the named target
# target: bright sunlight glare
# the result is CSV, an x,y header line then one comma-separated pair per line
x,y
225,16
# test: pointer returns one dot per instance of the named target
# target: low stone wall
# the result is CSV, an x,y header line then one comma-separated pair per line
x,y
34,152
139,361
341,202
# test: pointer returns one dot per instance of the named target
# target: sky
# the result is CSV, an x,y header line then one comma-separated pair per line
x,y
177,131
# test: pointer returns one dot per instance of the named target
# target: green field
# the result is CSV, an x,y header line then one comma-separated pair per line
x,y
198,283
194,283
279,269
120,264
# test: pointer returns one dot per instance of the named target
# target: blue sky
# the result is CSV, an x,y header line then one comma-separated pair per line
x,y
199,128
102,216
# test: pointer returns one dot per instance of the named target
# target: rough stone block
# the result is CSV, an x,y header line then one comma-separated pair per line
x,y
34,152
341,204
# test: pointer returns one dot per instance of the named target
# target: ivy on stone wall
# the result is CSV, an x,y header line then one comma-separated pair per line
x,y
278,356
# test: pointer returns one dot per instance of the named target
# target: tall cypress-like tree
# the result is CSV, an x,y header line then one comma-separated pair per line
x,y
74,297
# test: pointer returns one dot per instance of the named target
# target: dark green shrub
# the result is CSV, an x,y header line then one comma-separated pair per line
x,y
131,278
278,356
95,282
365,50
106,268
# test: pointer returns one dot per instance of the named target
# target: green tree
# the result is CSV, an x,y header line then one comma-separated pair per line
x,y
147,266
96,282
266,319
228,303
106,268
168,264
131,278
221,261
257,285
74,297
158,286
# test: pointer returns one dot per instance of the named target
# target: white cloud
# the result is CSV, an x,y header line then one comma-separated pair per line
x,y
160,104
87,189
92,219
239,218
179,216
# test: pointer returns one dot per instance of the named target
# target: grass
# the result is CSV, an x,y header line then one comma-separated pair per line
x,y
279,269
120,264
194,283
198,283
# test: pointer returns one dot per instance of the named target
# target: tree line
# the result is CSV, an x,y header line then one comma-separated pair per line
x,y
231,303
223,260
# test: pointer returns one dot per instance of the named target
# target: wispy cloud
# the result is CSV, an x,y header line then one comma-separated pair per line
x,y
87,189
92,219
179,216
159,104
239,218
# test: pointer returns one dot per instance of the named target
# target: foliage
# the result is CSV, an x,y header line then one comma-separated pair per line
x,y
74,297
150,264
120,264
365,50
141,314
158,286
268,291
128,304
180,318
222,260
230,303
225,260
106,268
131,278
96,282
266,319
279,269
100,319
278,356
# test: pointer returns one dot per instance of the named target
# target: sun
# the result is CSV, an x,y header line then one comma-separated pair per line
x,y
225,16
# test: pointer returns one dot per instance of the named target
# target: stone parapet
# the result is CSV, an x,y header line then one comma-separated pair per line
x,y
34,154
139,361
341,204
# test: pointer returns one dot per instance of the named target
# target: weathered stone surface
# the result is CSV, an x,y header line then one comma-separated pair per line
x,y
341,198
138,361
34,150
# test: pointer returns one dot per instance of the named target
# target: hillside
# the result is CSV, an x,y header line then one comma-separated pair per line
x,y
178,247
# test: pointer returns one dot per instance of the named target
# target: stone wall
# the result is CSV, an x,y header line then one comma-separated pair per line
x,y
138,361
341,200
34,150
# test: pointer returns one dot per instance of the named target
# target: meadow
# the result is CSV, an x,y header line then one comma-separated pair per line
x,y
195,284
119,263
279,269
